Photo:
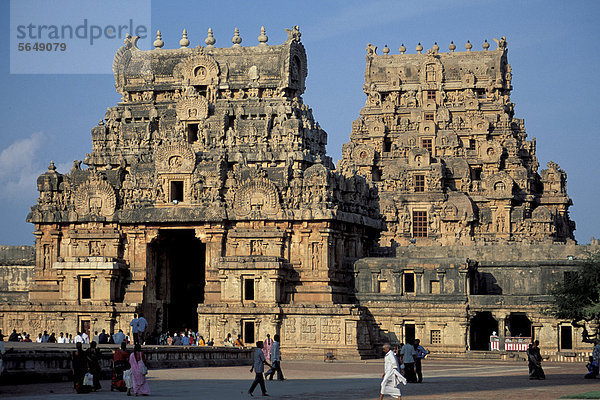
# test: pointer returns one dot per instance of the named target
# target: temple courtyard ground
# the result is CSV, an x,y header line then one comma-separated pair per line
x,y
444,379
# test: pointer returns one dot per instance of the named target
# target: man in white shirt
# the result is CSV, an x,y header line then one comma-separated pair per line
x,y
391,378
62,338
85,337
275,361
78,338
408,354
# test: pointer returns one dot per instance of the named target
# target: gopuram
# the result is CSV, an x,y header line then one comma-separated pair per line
x,y
209,202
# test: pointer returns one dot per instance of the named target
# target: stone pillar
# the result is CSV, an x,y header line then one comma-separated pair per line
x,y
419,289
501,318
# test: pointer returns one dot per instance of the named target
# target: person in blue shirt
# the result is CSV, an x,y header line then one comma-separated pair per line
x,y
421,354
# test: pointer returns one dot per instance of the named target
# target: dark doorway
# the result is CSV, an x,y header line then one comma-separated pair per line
x,y
178,258
409,333
482,327
249,332
519,324
566,337
85,326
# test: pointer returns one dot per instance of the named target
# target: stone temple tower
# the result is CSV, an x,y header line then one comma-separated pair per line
x,y
451,164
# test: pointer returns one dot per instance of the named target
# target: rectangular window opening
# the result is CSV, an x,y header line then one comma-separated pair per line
x,y
249,289
436,337
382,286
472,144
431,95
409,282
427,144
476,174
419,224
428,116
419,183
481,94
192,133
86,288
434,287
176,194
566,337
248,333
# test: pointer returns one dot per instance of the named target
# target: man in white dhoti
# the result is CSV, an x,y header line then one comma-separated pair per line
x,y
391,375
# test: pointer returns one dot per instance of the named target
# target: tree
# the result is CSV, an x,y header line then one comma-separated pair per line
x,y
578,298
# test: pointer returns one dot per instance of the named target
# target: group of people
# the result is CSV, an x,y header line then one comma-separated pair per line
x,y
128,370
270,356
185,337
67,338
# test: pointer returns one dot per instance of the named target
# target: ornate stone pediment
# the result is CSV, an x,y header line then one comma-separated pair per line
x,y
499,185
175,157
95,197
256,196
200,69
363,155
192,108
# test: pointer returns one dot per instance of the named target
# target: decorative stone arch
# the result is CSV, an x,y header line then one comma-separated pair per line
x,y
95,197
431,71
419,157
256,195
363,155
175,157
541,214
490,152
192,109
499,185
316,174
200,69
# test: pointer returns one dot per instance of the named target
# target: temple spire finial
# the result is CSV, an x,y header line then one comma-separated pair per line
x,y
158,43
402,49
184,42
485,45
236,39
468,46
210,39
262,38
419,48
452,47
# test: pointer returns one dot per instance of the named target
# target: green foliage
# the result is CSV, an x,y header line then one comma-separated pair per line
x,y
578,298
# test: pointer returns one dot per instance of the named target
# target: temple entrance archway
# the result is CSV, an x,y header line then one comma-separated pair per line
x,y
518,324
482,326
176,278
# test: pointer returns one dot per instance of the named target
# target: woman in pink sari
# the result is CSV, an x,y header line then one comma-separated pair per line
x,y
267,344
137,360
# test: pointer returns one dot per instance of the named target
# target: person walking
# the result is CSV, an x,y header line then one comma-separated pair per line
x,y
120,365
275,358
535,356
79,365
142,325
93,356
421,354
408,354
134,328
267,344
259,368
137,361
391,378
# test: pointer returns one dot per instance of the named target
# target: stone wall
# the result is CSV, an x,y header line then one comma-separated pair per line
x,y
30,362
16,273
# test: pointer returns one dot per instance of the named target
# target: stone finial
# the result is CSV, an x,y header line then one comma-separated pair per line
x,y
158,43
468,46
419,48
386,50
236,39
435,47
485,45
501,43
210,39
184,42
262,38
51,167
452,47
402,49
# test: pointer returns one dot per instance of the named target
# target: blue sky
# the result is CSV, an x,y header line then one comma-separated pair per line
x,y
552,49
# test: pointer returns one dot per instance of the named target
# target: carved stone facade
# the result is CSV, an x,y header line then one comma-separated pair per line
x,y
208,200
438,138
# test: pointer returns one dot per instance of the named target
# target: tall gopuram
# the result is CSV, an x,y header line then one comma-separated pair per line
x,y
438,138
208,202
